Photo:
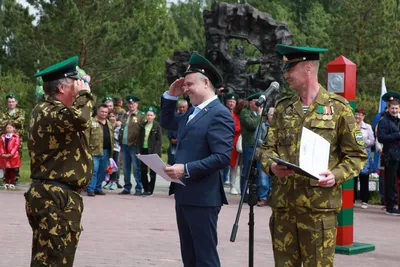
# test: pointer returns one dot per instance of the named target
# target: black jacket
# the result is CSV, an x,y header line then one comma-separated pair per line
x,y
155,138
389,136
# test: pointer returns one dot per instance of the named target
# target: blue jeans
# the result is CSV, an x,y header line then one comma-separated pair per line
x,y
247,153
129,158
263,182
114,177
225,173
100,164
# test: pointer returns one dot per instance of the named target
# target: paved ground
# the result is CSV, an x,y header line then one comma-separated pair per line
x,y
131,231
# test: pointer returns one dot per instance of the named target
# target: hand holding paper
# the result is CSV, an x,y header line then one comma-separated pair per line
x,y
154,162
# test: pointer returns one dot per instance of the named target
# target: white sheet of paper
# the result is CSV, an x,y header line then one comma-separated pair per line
x,y
314,153
154,162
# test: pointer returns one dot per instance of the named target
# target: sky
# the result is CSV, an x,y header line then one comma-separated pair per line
x,y
32,10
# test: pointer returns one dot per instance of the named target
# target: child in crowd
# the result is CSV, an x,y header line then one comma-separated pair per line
x,y
114,177
9,156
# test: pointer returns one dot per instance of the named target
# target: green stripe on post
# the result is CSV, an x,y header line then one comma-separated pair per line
x,y
345,217
348,185
352,104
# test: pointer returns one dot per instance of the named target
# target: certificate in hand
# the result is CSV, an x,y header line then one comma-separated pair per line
x,y
313,156
293,167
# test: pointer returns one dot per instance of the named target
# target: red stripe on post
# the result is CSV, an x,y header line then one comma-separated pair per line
x,y
348,199
344,236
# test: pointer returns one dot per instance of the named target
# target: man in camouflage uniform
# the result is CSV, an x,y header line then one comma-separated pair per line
x,y
61,165
303,222
17,117
128,139
100,135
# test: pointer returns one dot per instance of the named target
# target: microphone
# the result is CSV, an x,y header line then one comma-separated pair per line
x,y
274,86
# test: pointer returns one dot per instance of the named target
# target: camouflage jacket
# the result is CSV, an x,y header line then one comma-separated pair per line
x,y
18,118
94,134
57,144
134,120
248,122
347,156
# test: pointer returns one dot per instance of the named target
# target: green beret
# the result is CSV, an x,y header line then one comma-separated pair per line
x,y
295,54
140,112
150,108
11,96
64,69
132,99
389,96
231,96
200,64
107,99
254,96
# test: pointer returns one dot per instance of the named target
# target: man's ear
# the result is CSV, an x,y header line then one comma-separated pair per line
x,y
60,88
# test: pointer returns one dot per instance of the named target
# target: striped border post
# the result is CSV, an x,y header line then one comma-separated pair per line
x,y
341,80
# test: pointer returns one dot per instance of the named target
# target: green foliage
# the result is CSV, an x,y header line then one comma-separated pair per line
x,y
124,44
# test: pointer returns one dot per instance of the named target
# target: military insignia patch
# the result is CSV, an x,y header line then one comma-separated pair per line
x,y
359,138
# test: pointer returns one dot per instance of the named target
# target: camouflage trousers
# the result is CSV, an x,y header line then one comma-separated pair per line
x,y
55,215
307,238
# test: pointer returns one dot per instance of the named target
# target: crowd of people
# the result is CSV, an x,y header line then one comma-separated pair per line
x,y
211,141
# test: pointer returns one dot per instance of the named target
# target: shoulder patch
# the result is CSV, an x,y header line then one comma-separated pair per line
x,y
359,138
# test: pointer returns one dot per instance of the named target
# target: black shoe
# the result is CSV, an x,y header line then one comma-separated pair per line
x,y
147,194
100,193
91,194
393,212
119,186
138,194
124,192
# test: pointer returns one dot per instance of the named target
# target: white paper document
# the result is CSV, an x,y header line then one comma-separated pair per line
x,y
314,153
154,162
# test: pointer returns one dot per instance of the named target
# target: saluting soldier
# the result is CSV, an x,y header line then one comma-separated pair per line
x,y
303,222
17,117
129,139
61,165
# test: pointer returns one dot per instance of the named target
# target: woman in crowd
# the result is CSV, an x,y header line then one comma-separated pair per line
x,y
369,141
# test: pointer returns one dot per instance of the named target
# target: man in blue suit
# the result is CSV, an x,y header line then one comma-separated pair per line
x,y
205,136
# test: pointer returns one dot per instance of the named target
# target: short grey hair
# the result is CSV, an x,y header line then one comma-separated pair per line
x,y
183,101
202,77
51,88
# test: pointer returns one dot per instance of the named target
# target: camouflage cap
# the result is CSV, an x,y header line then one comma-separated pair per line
x,y
389,96
254,96
63,69
295,54
150,108
200,64
233,96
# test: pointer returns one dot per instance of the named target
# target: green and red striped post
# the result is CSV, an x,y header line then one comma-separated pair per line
x,y
342,74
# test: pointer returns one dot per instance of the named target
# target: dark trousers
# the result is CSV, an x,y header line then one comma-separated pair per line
x,y
114,177
9,175
147,186
197,228
392,170
364,187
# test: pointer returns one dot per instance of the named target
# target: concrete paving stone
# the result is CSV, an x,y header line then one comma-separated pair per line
x,y
132,231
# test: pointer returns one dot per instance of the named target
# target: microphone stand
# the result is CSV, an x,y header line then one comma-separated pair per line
x,y
253,198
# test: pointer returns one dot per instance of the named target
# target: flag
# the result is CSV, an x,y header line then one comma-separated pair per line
x,y
382,104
